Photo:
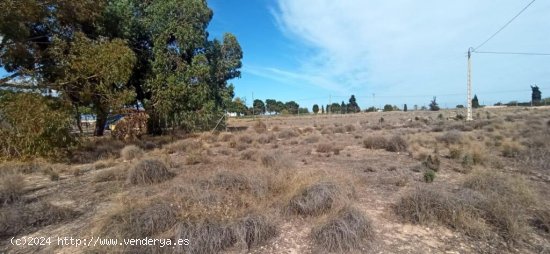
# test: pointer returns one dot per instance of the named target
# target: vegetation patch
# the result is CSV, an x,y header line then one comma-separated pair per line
x,y
149,171
347,230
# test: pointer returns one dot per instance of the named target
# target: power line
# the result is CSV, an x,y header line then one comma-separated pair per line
x,y
505,25
512,53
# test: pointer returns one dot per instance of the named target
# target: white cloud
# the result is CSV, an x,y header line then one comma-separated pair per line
x,y
403,46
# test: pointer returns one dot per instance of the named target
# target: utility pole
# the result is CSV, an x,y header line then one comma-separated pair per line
x,y
469,109
253,114
374,101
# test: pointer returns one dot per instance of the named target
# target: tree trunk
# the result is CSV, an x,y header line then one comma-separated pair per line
x,y
153,123
101,119
78,120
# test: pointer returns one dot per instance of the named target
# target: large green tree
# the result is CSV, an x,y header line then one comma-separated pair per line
x,y
271,106
259,107
316,109
353,107
160,56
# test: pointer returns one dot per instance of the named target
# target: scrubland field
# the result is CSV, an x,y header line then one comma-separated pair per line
x,y
395,182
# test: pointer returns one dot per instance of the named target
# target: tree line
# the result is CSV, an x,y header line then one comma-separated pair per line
x,y
104,56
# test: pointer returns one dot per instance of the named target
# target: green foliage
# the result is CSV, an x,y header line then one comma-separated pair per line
x,y
259,107
459,106
371,109
475,102
271,106
388,108
433,105
237,106
429,176
353,107
316,109
405,108
292,107
32,125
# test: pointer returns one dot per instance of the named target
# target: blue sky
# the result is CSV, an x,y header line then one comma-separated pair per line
x,y
402,51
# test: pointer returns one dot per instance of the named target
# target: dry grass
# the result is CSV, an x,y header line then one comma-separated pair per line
x,y
316,199
213,236
260,127
186,145
197,157
275,160
113,174
249,155
21,217
288,133
267,138
343,232
429,205
450,138
490,203
12,187
328,148
375,142
149,171
131,152
396,144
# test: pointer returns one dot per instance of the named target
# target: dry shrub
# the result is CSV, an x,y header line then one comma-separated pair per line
x,y
541,220
131,152
225,137
345,231
339,129
186,145
327,131
12,187
490,202
349,128
288,133
212,236
245,139
312,139
266,138
455,152
432,162
511,149
97,149
324,148
476,154
275,128
249,155
276,160
316,199
197,157
308,130
507,199
450,137
104,164
260,127
149,171
138,220
231,181
20,217
429,205
396,144
114,174
375,142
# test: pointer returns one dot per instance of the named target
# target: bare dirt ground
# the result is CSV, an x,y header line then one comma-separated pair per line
x,y
90,200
